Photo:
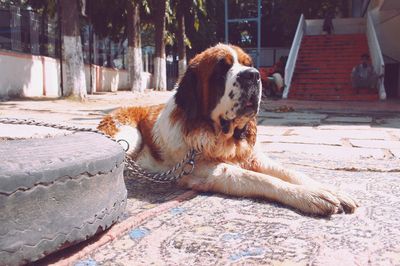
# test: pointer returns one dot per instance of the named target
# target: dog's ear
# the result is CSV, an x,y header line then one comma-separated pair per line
x,y
187,97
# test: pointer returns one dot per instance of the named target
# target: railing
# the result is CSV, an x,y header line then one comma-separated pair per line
x,y
376,56
294,50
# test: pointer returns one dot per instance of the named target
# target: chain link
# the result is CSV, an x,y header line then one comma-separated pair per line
x,y
184,167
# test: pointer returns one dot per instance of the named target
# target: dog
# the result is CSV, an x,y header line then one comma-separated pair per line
x,y
214,112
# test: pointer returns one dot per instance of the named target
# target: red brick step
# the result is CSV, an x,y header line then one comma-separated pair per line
x,y
324,66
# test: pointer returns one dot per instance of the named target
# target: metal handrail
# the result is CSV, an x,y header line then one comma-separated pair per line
x,y
294,50
376,56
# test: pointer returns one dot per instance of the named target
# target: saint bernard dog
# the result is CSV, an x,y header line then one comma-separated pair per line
x,y
214,111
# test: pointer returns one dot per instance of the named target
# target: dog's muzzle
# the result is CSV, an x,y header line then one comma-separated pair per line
x,y
249,81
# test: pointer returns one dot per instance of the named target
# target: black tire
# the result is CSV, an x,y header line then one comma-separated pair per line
x,y
57,191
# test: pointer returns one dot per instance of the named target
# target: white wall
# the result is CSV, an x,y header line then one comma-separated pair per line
x,y
20,75
25,75
106,79
386,18
52,77
387,25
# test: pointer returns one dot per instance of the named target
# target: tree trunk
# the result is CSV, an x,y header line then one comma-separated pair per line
x,y
74,74
160,69
182,64
135,64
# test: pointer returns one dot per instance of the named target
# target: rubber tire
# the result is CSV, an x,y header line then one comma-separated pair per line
x,y
56,192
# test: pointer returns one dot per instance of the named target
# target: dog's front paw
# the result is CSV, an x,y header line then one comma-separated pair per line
x,y
347,203
316,201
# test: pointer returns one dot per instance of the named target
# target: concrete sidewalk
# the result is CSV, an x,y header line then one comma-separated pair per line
x,y
70,112
354,146
354,133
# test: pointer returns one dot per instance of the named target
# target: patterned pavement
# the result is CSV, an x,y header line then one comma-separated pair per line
x,y
354,153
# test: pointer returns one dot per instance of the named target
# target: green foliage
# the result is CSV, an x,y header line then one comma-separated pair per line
x,y
148,34
48,7
210,28
109,18
279,22
204,19
279,19
190,8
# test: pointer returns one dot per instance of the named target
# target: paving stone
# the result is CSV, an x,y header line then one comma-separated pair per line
x,y
349,119
271,131
306,115
316,152
396,152
304,131
389,122
332,134
355,134
384,144
300,139
292,115
23,131
394,133
264,114
344,127
324,151
291,122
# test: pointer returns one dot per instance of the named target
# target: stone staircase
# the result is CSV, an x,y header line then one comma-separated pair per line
x,y
324,65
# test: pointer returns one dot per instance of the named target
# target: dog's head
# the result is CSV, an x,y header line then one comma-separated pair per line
x,y
220,85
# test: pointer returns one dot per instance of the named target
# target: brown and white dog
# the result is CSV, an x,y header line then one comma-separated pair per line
x,y
214,111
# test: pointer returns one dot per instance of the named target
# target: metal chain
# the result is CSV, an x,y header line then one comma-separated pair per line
x,y
184,167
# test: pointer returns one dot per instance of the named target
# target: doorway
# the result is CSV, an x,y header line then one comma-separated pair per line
x,y
392,72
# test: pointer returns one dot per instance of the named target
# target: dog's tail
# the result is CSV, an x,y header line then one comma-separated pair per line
x,y
127,134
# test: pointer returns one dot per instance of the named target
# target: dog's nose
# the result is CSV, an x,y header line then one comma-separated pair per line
x,y
250,74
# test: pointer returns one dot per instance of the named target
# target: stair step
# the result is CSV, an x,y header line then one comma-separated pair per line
x,y
329,91
324,79
324,57
336,98
326,47
325,70
312,79
319,86
332,93
317,41
336,57
320,74
333,41
333,52
329,65
324,66
331,49
335,37
346,45
355,54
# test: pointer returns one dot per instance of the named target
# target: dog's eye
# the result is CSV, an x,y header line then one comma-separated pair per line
x,y
223,66
222,62
248,62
